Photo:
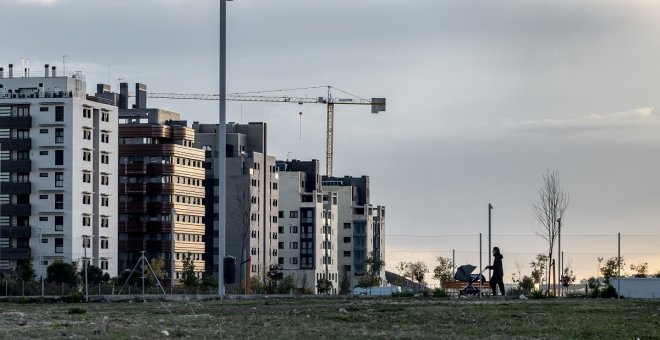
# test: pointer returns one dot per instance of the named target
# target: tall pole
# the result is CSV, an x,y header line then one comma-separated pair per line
x,y
222,147
85,264
618,266
172,250
490,208
41,261
560,265
480,269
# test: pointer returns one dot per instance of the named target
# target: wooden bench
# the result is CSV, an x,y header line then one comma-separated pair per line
x,y
455,287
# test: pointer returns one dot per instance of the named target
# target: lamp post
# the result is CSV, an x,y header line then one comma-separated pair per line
x,y
560,269
222,147
85,265
41,260
490,208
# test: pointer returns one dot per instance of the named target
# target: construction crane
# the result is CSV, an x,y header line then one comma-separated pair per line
x,y
377,105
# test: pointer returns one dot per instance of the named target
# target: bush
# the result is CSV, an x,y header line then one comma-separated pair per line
x,y
439,292
75,297
76,310
576,295
609,292
538,294
403,294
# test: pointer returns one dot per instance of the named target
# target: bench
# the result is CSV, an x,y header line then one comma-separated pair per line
x,y
455,286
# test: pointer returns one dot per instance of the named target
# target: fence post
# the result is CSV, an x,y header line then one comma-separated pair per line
x,y
453,262
618,265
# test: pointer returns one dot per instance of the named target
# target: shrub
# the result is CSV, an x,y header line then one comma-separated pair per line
x,y
538,294
75,297
608,292
403,294
76,310
576,295
439,292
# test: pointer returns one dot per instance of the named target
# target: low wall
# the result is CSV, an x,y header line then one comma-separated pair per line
x,y
638,288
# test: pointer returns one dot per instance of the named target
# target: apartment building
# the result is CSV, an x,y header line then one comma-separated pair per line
x,y
58,189
252,199
307,231
361,225
161,187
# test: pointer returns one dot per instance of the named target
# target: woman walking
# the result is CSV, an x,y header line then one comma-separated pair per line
x,y
497,279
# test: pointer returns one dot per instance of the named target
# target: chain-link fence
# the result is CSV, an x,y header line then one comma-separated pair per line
x,y
584,255
17,287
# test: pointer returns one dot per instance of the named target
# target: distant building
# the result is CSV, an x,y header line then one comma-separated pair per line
x,y
252,198
58,172
307,231
361,225
161,179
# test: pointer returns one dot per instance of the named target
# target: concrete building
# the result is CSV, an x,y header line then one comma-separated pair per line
x,y
58,172
307,231
252,199
361,225
161,184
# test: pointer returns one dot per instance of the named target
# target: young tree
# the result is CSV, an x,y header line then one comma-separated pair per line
x,y
94,274
345,284
443,271
538,268
158,265
189,277
243,218
568,277
418,271
552,204
611,268
641,269
324,286
27,271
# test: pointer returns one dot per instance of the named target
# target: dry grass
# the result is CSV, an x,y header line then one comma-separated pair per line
x,y
297,318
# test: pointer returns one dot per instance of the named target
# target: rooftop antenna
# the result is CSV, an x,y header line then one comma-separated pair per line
x,y
26,67
287,155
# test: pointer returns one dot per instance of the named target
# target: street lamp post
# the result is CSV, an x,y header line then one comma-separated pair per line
x,y
560,268
41,260
85,265
490,208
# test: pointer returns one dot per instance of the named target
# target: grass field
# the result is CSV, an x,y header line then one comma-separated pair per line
x,y
308,318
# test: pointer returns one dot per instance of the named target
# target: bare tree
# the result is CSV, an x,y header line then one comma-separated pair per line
x,y
243,218
552,204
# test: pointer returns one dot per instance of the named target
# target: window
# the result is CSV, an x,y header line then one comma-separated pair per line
x,y
22,133
87,156
86,199
87,134
43,153
293,229
105,201
59,157
274,186
59,113
43,109
105,116
104,244
59,202
347,254
280,245
105,159
43,174
105,179
347,240
347,226
280,260
104,222
59,136
294,260
87,177
105,138
280,229
43,218
59,179
59,223
104,264
280,214
22,178
86,221
43,130
59,245
87,113
293,214
87,242
294,245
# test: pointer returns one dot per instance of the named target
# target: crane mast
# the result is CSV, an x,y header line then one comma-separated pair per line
x,y
377,105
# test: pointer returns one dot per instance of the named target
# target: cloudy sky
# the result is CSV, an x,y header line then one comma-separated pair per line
x,y
483,96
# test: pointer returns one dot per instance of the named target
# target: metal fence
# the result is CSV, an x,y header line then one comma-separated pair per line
x,y
16,287
583,254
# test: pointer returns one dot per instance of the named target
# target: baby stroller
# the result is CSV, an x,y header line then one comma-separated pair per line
x,y
464,273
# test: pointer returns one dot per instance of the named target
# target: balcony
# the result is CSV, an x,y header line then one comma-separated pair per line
x,y
15,187
15,210
132,227
19,144
16,122
15,253
15,232
16,166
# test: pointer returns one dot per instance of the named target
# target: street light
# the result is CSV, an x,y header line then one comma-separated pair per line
x,y
559,259
41,260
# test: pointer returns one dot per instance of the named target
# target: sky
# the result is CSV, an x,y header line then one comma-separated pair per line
x,y
483,97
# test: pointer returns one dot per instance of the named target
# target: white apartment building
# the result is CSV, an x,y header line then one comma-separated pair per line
x,y
58,173
361,226
307,231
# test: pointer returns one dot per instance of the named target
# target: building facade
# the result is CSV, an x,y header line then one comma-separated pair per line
x,y
307,231
361,226
58,196
252,199
161,188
